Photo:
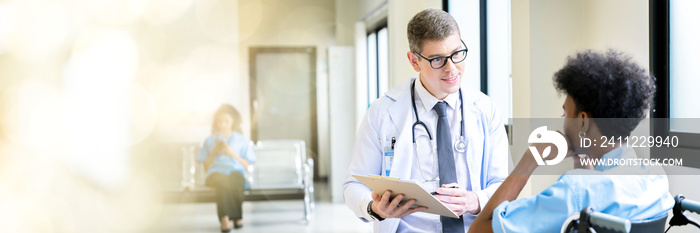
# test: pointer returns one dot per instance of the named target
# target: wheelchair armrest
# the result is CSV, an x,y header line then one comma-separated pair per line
x,y
611,222
680,218
690,205
588,218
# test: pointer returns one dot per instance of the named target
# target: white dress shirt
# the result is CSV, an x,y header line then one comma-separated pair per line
x,y
422,222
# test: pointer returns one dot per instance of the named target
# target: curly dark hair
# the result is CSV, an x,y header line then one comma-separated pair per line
x,y
607,86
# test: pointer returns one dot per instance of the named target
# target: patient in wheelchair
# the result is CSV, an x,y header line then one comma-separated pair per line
x,y
607,95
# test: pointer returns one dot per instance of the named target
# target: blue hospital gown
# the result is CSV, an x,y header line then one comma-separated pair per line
x,y
634,197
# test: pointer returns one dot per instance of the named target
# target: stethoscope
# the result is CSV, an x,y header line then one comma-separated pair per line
x,y
460,145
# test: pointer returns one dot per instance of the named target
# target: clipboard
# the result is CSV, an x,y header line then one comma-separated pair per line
x,y
411,190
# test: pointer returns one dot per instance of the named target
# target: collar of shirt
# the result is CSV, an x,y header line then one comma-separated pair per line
x,y
622,152
429,100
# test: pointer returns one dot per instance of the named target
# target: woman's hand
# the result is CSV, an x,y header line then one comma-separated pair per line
x,y
218,147
222,148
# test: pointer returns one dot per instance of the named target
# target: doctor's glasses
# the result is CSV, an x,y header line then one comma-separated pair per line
x,y
439,62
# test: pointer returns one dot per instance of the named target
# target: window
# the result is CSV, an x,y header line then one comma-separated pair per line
x,y
673,56
467,15
371,68
377,63
684,55
485,28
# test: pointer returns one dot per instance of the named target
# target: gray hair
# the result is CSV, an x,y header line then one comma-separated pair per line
x,y
430,24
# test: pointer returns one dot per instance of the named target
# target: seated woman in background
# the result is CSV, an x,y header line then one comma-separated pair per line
x,y
607,96
226,155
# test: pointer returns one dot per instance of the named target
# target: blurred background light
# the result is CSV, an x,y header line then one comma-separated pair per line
x,y
301,24
169,96
96,87
30,115
103,56
142,114
84,87
218,19
41,30
251,24
115,12
160,12
9,19
210,68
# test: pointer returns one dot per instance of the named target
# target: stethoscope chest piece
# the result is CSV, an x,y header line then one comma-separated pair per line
x,y
461,145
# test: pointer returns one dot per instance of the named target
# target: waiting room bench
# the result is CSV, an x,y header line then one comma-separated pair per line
x,y
281,172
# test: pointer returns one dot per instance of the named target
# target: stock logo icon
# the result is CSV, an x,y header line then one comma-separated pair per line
x,y
542,135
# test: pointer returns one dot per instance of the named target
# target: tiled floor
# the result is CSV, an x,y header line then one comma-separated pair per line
x,y
264,216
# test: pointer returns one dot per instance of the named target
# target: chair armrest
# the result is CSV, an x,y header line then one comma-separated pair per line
x,y
309,186
308,167
249,174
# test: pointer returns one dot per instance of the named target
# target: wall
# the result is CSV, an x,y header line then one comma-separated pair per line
x,y
555,33
544,33
291,23
400,12
345,17
342,132
620,24
520,34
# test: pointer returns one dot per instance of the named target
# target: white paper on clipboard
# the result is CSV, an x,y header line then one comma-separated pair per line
x,y
411,190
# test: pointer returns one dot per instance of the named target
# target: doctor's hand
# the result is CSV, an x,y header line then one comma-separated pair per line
x,y
386,208
459,200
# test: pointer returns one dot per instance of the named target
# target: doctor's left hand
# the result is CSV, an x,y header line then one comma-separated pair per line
x,y
386,207
459,200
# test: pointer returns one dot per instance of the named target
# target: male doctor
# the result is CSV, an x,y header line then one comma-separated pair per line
x,y
465,157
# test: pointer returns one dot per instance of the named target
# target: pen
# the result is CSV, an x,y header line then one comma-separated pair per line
x,y
451,187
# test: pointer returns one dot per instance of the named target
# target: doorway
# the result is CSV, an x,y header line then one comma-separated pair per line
x,y
283,95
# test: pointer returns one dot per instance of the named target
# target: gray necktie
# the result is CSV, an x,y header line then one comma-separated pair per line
x,y
446,164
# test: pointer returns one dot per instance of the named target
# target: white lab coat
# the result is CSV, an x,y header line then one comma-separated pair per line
x,y
392,116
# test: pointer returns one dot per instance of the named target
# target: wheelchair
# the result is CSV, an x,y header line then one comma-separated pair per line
x,y
590,221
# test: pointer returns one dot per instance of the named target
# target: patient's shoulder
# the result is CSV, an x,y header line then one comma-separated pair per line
x,y
592,181
635,197
588,178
